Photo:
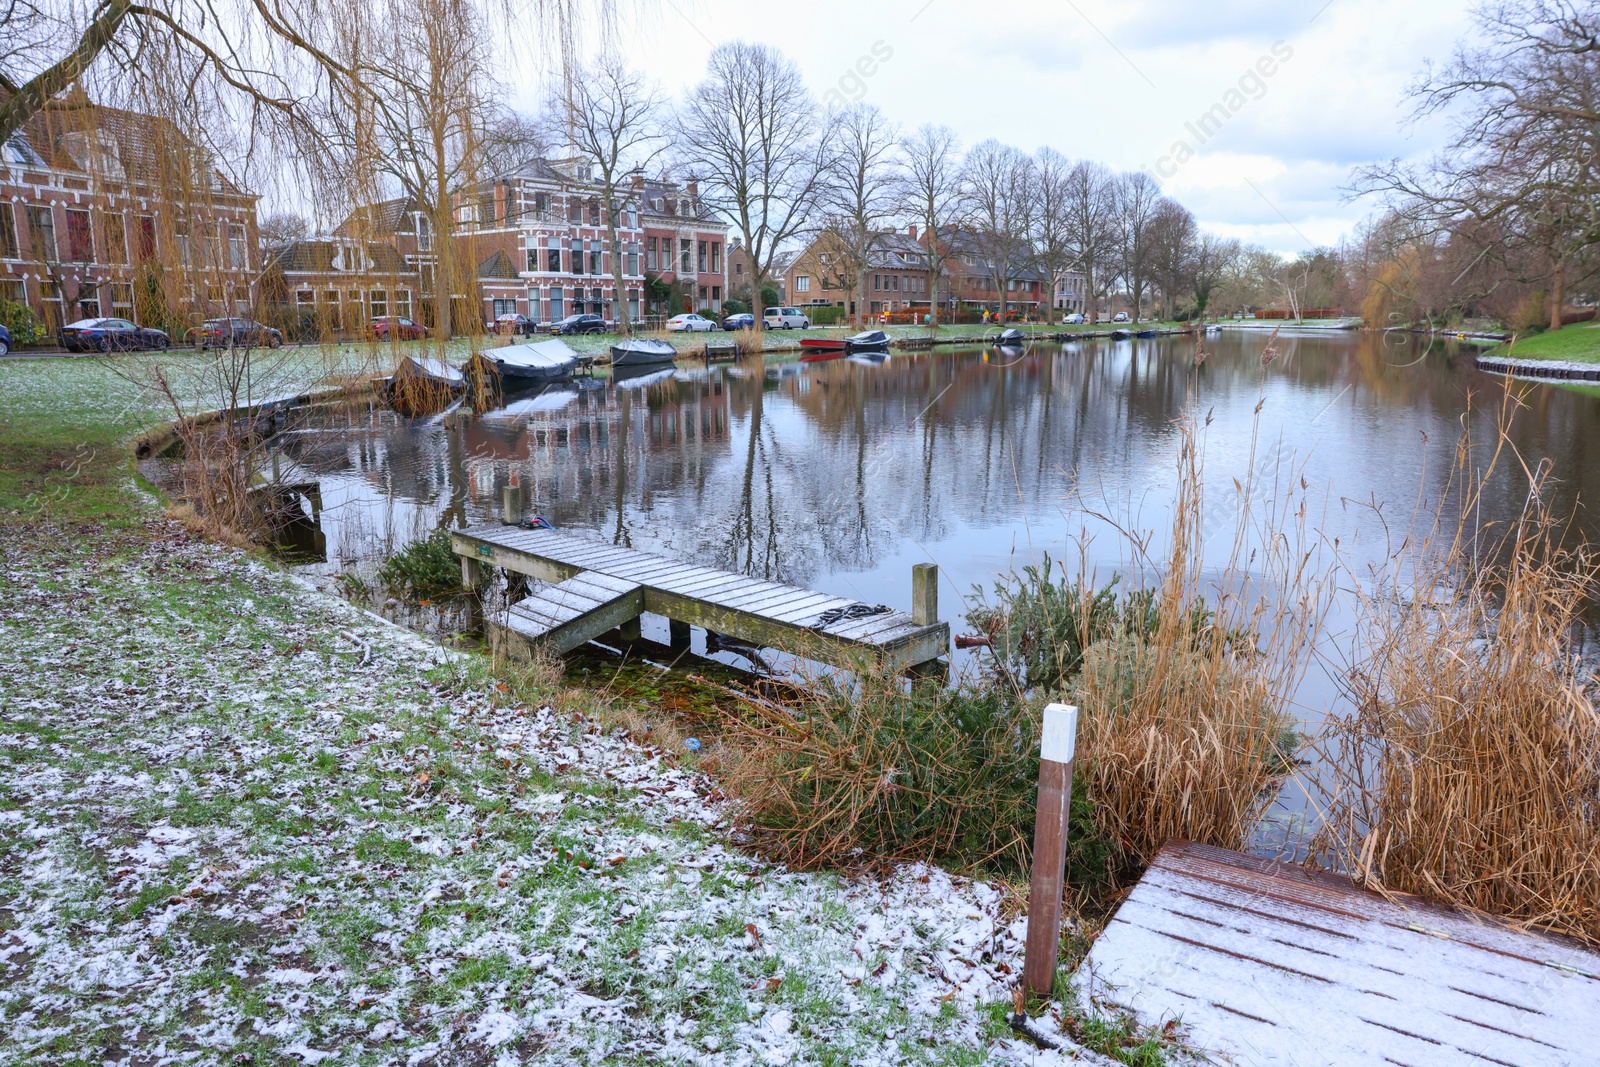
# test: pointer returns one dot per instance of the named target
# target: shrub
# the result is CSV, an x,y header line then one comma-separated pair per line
x,y
734,307
19,319
423,570
825,314
867,771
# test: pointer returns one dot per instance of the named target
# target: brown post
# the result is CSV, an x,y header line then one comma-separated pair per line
x,y
1056,741
471,574
925,594
511,505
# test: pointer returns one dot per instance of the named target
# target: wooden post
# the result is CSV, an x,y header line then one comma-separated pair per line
x,y
510,505
629,630
1056,742
471,574
679,632
925,594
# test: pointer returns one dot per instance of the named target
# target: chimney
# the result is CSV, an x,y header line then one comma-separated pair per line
x,y
638,181
694,189
911,231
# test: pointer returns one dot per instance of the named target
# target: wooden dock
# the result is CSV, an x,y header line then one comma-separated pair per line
x,y
595,587
1271,963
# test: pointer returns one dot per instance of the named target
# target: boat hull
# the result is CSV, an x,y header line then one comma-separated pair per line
x,y
642,354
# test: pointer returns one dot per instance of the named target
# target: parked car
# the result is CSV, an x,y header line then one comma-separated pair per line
x,y
5,341
107,335
1074,319
690,323
579,324
1121,316
520,324
235,333
785,319
742,321
397,328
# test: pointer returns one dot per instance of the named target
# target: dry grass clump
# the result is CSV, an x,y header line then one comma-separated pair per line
x,y
1470,769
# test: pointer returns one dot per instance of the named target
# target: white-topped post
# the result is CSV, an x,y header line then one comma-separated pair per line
x,y
1058,738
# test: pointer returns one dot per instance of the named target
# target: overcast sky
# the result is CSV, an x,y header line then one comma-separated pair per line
x,y
1119,82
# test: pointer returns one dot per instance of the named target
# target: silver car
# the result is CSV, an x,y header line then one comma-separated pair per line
x,y
785,319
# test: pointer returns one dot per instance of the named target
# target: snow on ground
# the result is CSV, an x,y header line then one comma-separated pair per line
x,y
243,822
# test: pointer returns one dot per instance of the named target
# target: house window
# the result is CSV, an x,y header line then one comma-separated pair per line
x,y
424,234
875,283
304,298
555,303
702,260
89,306
42,232
330,309
577,257
122,296
379,298
574,212
716,257
541,205
116,238
650,255
633,258
633,305
533,304
802,284
897,283
146,230
533,260
402,303
594,213
9,249
594,257
716,298
180,232
425,277
738,269
51,305
238,248
555,261
685,261
504,306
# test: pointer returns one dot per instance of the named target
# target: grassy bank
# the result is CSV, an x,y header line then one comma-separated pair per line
x,y
1579,343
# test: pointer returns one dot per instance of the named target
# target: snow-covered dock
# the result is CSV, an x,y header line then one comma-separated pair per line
x,y
1271,963
599,586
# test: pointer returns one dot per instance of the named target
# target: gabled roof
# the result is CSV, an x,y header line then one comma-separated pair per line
x,y
380,219
337,257
498,267
76,135
671,194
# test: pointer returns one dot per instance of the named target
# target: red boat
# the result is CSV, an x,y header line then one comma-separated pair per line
x,y
814,344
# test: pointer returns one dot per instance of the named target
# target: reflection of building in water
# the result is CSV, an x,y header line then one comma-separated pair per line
x,y
580,455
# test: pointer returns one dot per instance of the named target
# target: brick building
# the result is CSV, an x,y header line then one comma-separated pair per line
x,y
896,274
685,247
111,212
333,287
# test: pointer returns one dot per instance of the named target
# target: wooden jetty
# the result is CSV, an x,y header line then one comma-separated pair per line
x,y
1272,963
596,587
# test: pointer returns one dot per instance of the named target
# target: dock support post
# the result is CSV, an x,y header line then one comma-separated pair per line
x,y
510,505
1057,739
925,594
630,630
679,632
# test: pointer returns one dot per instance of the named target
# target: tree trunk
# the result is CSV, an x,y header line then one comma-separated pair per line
x,y
758,279
444,260
618,296
1558,294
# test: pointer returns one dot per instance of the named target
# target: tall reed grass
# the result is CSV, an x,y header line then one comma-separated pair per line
x,y
1469,769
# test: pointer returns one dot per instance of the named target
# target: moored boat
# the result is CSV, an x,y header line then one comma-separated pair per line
x,y
421,386
1121,335
867,341
822,344
1008,336
1145,334
533,364
642,352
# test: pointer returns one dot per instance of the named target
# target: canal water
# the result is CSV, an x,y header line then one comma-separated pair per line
x,y
841,475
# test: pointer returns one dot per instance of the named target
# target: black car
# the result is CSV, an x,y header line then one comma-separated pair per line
x,y
235,333
579,324
520,324
110,335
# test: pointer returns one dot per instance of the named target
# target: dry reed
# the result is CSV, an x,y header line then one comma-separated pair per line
x,y
1469,770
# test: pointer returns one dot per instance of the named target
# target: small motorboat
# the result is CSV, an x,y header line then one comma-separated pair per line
x,y
1145,334
1008,336
823,344
533,364
642,352
1121,335
421,386
867,341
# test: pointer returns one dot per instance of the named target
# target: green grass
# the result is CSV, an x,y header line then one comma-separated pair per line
x,y
1579,343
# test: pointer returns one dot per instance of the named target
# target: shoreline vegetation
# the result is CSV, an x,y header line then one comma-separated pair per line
x,y
1184,685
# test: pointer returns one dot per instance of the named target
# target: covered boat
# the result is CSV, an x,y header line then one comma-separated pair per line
x,y
421,386
1008,336
532,364
1121,335
642,352
866,341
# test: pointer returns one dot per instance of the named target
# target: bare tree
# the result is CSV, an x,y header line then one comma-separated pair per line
x,y
997,191
1171,247
752,136
860,197
1090,217
284,228
930,192
612,116
1135,197
1053,248
1522,165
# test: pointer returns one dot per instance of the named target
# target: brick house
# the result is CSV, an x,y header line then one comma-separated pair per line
x,y
974,284
684,246
333,287
112,212
896,274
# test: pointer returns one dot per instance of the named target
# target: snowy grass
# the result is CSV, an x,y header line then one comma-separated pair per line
x,y
241,821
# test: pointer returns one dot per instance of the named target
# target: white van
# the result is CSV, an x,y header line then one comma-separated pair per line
x,y
785,319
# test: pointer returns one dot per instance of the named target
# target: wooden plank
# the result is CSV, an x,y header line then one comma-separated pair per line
x,y
801,613
709,586
1268,963
767,602
862,629
554,617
